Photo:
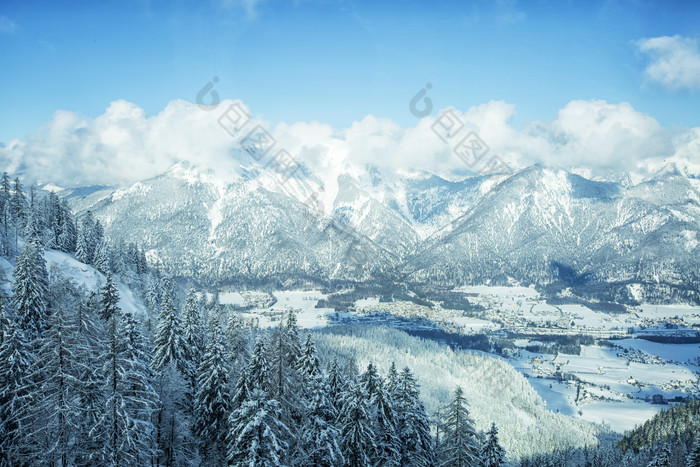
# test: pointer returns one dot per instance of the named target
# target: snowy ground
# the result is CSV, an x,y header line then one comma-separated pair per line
x,y
303,303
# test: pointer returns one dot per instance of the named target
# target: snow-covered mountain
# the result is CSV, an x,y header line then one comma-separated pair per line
x,y
540,225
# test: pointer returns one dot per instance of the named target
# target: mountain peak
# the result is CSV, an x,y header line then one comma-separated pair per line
x,y
669,170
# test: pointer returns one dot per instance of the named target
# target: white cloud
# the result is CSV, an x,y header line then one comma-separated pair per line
x,y
7,26
674,61
124,145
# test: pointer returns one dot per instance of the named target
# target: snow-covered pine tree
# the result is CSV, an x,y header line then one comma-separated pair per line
x,y
370,380
286,385
212,401
98,235
86,242
173,432
139,398
91,348
460,442
5,191
259,368
356,432
193,339
492,454
662,457
284,377
30,289
241,391
336,384
237,342
391,384
142,264
55,405
388,451
693,459
103,257
109,312
293,340
69,233
82,246
309,365
16,361
18,204
319,435
413,424
168,339
257,436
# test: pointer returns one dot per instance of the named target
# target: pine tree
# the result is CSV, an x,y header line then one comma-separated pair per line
x,y
284,359
103,258
392,381
18,204
55,406
212,400
259,368
138,396
492,454
693,459
356,433
460,443
237,350
319,436
388,452
413,426
370,380
91,347
256,436
309,365
87,241
336,384
662,458
68,237
30,289
193,339
168,342
241,392
16,360
109,312
293,341
82,247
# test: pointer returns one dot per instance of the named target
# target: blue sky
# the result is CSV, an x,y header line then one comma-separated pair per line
x,y
338,61
335,61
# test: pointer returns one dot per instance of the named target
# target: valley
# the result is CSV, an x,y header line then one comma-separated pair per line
x,y
615,369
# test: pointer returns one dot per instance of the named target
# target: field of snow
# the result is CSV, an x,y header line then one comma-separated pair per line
x,y
302,302
612,389
499,291
231,298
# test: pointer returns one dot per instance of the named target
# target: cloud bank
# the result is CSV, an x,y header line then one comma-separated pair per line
x,y
124,145
674,62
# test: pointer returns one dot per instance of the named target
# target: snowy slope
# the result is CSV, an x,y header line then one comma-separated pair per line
x,y
92,279
495,391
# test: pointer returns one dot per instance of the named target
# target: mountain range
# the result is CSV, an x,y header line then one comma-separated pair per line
x,y
542,226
